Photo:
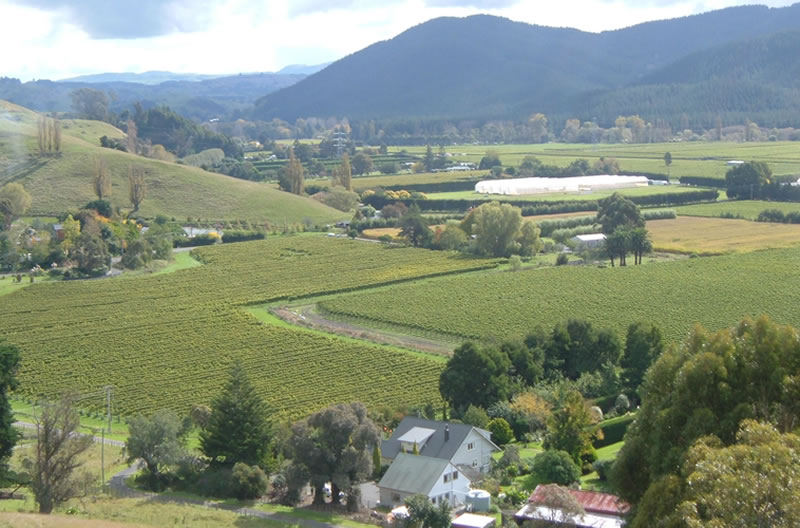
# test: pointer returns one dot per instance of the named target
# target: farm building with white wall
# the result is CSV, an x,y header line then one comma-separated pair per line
x,y
576,184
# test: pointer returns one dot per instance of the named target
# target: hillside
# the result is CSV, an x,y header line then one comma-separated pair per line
x,y
60,182
439,69
201,99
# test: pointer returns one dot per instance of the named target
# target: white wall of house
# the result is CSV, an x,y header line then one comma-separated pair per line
x,y
453,490
475,452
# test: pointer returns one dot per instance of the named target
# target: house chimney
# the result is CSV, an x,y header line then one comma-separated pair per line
x,y
446,432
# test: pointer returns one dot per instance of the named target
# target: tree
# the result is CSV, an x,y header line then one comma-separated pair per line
x,y
101,182
491,159
707,387
90,104
14,202
238,429
158,441
529,242
9,364
533,409
137,187
132,137
58,450
501,431
423,514
745,181
667,161
555,466
428,161
475,376
643,345
750,483
91,256
639,243
294,174
617,244
343,174
362,163
248,482
577,347
617,211
335,445
338,198
561,508
452,237
538,124
475,416
414,228
568,428
72,230
496,227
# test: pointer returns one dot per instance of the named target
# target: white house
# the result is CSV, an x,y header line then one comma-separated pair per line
x,y
459,444
436,478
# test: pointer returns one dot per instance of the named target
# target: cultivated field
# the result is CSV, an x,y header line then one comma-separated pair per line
x,y
168,340
745,208
714,291
699,235
688,159
60,182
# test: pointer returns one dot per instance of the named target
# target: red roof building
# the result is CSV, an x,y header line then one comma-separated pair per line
x,y
601,510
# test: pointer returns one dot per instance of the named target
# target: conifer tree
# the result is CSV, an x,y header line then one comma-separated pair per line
x,y
9,362
238,429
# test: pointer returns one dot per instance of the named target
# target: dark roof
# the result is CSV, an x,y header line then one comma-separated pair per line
x,y
591,501
413,474
435,446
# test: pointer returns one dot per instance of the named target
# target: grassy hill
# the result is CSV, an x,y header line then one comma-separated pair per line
x,y
60,182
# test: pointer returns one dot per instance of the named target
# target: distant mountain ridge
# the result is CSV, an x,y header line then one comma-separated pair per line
x,y
489,67
148,77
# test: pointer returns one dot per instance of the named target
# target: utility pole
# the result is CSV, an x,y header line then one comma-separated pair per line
x,y
103,459
108,389
340,140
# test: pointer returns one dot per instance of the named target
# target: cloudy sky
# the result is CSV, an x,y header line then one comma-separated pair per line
x,y
55,39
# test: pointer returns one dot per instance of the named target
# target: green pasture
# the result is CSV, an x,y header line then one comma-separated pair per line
x,y
748,209
688,158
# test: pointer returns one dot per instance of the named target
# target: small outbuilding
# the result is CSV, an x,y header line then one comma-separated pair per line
x,y
590,241
600,510
470,520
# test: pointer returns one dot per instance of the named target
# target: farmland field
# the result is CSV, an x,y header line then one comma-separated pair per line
x,y
559,197
168,340
745,208
714,291
688,234
688,159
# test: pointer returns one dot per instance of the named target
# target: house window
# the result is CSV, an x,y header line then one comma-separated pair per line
x,y
475,463
470,446
455,475
433,500
446,477
395,497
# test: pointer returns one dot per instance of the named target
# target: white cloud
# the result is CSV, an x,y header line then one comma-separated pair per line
x,y
44,39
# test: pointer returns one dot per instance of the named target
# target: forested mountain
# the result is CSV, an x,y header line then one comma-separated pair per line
x,y
148,77
490,67
201,100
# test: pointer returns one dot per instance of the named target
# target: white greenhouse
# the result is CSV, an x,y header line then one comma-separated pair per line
x,y
576,184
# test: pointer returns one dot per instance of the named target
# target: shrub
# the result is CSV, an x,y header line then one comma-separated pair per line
x,y
103,207
501,431
562,259
622,403
771,215
242,236
603,468
249,482
516,262
476,416
554,466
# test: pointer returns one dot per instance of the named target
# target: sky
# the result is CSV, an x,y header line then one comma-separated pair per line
x,y
56,39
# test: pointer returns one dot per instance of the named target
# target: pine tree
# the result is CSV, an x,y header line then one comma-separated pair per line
x,y
238,429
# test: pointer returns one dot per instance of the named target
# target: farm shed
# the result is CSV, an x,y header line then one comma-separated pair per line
x,y
470,520
590,241
601,510
576,184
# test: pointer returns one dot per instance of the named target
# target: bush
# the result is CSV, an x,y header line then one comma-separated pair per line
x,y
103,207
554,466
516,262
771,215
603,468
622,404
613,430
475,416
242,236
562,259
249,482
501,431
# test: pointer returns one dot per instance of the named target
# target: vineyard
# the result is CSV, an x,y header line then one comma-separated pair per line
x,y
714,291
748,209
168,340
719,235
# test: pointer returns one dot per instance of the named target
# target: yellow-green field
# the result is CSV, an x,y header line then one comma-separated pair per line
x,y
687,234
57,183
688,159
